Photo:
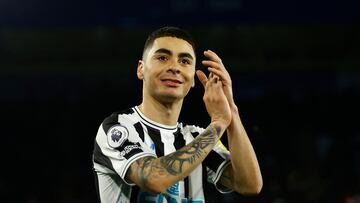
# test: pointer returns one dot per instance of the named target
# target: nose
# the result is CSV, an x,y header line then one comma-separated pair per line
x,y
173,68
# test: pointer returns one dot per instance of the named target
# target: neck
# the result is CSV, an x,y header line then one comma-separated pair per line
x,y
161,112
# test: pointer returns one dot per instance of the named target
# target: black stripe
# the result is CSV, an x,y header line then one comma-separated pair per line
x,y
179,141
100,158
186,184
195,134
139,130
134,194
213,160
156,138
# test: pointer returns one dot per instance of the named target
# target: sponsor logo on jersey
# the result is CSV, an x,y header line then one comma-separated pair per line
x,y
127,149
174,190
117,135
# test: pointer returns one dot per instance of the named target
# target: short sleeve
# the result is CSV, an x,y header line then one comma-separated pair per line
x,y
216,163
118,145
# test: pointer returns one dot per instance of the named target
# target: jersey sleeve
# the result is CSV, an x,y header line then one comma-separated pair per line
x,y
216,163
118,145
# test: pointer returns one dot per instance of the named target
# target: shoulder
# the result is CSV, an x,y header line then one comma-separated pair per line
x,y
119,127
124,118
116,117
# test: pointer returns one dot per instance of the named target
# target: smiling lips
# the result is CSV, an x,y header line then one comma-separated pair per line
x,y
171,82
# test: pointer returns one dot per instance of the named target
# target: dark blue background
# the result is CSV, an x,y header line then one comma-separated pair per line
x,y
66,65
184,12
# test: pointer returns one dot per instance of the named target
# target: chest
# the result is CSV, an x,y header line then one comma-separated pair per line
x,y
164,142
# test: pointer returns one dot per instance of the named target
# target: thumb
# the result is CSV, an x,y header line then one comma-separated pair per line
x,y
202,77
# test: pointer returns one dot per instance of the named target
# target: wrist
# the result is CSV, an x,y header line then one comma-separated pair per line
x,y
221,124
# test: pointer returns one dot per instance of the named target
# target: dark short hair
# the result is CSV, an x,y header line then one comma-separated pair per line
x,y
168,32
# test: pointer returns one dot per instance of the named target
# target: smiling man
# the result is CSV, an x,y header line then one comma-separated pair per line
x,y
143,154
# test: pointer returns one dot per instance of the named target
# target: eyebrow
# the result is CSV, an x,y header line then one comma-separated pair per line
x,y
167,51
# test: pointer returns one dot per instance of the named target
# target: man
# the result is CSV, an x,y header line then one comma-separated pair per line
x,y
144,155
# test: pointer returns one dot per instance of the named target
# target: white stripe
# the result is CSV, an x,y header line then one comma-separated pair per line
x,y
102,169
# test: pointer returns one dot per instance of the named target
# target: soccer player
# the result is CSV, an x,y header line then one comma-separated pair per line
x,y
143,154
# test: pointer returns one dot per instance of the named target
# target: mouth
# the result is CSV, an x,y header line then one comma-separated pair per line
x,y
171,82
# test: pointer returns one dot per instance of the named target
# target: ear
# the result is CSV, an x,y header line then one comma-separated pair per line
x,y
140,70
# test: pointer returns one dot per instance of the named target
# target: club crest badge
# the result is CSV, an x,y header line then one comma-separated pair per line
x,y
116,135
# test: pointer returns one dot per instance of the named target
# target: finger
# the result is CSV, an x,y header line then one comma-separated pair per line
x,y
202,77
213,64
212,56
211,84
217,85
216,78
211,75
217,66
218,73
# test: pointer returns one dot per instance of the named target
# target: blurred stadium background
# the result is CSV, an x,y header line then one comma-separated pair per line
x,y
66,65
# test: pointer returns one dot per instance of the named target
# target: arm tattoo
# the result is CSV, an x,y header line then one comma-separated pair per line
x,y
146,171
173,163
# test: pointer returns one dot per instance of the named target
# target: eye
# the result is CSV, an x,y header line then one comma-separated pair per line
x,y
162,58
185,61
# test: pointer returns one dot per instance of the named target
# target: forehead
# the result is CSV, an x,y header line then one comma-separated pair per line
x,y
175,45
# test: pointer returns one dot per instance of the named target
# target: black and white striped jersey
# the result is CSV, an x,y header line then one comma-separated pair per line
x,y
126,136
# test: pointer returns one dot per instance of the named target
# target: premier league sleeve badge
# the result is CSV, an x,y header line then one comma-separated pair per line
x,y
116,135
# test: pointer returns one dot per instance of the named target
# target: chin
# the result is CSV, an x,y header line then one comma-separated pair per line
x,y
170,98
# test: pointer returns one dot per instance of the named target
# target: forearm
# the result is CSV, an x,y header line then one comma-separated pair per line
x,y
157,174
246,171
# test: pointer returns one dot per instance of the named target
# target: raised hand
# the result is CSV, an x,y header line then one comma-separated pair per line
x,y
215,99
215,66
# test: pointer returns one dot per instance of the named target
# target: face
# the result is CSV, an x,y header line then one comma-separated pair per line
x,y
167,69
